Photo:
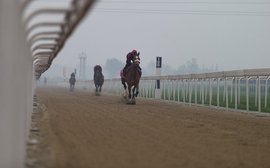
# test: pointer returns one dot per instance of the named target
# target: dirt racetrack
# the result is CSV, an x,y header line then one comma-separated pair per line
x,y
80,130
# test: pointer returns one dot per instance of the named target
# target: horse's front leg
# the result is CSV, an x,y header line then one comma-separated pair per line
x,y
129,92
137,90
124,84
96,88
100,88
133,92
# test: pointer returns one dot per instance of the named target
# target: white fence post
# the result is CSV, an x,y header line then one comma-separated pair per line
x,y
256,92
16,101
266,88
196,90
218,92
259,95
247,93
232,89
202,91
235,93
211,91
226,92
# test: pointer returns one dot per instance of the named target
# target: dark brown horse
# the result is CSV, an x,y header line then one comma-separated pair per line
x,y
98,80
72,81
132,79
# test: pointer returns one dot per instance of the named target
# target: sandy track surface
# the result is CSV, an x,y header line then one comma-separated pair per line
x,y
80,130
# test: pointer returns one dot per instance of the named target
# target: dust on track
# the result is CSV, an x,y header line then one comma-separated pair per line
x,y
81,130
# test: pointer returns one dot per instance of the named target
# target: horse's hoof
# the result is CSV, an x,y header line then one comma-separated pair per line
x,y
131,101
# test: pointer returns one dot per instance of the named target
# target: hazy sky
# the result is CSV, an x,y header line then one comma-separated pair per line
x,y
234,34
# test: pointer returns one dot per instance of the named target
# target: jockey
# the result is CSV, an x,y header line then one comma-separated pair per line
x,y
97,68
129,58
72,75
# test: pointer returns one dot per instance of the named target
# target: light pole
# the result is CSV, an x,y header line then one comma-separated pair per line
x,y
82,68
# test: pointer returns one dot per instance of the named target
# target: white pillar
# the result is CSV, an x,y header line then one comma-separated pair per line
x,y
226,94
259,95
239,91
235,93
15,86
202,83
256,92
247,93
196,90
218,92
266,87
232,88
210,91
178,91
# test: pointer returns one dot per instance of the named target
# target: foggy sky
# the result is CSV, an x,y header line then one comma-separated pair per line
x,y
230,35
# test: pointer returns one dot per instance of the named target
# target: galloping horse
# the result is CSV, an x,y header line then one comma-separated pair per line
x,y
132,79
98,80
72,81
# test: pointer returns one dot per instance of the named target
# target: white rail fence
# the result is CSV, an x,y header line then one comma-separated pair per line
x,y
27,49
241,90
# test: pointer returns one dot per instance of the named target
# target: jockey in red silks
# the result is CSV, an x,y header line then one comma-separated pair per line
x,y
129,58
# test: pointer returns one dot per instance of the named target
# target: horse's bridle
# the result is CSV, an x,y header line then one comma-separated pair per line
x,y
137,60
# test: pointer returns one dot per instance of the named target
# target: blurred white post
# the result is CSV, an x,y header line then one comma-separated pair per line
x,y
224,90
256,92
158,73
231,96
184,91
235,93
239,90
218,92
247,93
196,90
259,95
206,89
226,93
266,87
16,93
210,91
202,84
178,91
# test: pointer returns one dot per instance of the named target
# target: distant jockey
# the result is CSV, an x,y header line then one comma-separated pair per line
x,y
129,60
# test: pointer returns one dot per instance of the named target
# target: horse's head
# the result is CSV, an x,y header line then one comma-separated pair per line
x,y
137,60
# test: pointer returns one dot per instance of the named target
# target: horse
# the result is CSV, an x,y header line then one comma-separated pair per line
x,y
98,80
132,79
72,81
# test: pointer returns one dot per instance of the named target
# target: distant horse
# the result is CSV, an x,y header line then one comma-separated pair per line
x,y
132,79
98,80
72,81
